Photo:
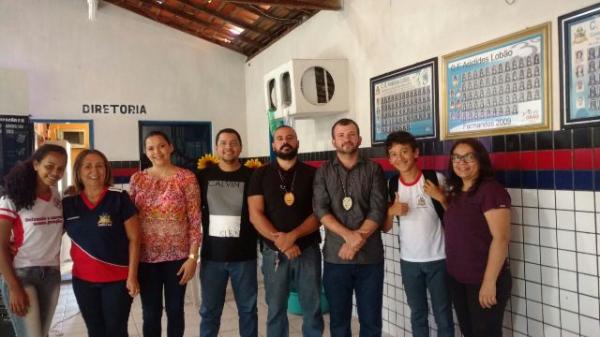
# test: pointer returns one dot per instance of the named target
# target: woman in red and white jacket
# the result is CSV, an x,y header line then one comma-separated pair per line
x,y
31,221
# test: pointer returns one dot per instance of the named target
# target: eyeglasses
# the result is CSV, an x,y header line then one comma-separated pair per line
x,y
465,158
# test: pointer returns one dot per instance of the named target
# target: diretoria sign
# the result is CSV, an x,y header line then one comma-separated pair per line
x,y
124,109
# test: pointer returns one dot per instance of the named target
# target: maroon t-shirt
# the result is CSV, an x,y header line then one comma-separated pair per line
x,y
467,234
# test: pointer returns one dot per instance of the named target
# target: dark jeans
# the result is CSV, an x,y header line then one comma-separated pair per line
x,y
153,278
305,273
366,280
418,277
474,320
213,280
104,307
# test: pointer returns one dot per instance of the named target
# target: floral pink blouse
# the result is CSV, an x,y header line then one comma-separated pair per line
x,y
169,212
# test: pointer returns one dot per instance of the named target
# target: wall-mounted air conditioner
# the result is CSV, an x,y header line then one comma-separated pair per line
x,y
307,88
77,138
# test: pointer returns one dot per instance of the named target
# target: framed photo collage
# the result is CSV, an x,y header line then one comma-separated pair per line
x,y
502,86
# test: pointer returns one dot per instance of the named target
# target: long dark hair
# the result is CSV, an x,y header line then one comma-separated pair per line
x,y
21,181
454,182
79,162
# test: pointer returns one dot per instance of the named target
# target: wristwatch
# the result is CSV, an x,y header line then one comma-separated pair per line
x,y
193,256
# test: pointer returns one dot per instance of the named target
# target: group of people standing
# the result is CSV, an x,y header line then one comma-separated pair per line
x,y
453,238
145,241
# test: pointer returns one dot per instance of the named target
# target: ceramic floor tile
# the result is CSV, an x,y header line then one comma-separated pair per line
x,y
68,322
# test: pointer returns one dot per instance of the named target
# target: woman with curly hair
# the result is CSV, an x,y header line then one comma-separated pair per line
x,y
31,220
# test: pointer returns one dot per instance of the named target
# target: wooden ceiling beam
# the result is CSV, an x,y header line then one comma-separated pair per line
x,y
192,18
217,15
156,17
214,24
307,4
277,22
283,30
248,8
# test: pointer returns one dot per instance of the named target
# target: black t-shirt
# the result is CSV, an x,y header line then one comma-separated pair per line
x,y
228,234
266,181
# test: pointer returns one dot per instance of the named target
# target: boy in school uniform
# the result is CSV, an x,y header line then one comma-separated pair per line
x,y
418,204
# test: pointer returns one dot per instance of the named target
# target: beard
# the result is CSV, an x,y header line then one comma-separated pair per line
x,y
347,148
286,155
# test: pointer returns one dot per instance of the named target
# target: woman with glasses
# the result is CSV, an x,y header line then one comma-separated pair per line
x,y
477,232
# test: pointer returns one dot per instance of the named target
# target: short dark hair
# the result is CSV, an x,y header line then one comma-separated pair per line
x,y
400,137
485,166
344,122
157,133
228,130
79,162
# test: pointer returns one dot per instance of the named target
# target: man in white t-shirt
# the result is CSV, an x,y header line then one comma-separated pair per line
x,y
418,203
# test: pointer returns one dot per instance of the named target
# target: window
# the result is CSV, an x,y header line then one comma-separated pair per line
x,y
191,140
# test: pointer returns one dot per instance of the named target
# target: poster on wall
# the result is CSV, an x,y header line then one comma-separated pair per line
x,y
498,87
579,48
16,141
405,100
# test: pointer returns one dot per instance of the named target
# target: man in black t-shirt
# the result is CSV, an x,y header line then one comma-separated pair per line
x,y
280,205
229,244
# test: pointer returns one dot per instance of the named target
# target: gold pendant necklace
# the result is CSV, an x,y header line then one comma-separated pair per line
x,y
288,196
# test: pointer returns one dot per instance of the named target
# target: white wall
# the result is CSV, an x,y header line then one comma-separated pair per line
x,y
13,91
555,238
121,58
377,36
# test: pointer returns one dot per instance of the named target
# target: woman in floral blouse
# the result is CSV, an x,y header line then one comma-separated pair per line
x,y
168,200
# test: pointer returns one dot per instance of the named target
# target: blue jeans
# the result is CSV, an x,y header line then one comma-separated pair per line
x,y
153,277
305,272
418,277
42,285
213,282
104,307
366,281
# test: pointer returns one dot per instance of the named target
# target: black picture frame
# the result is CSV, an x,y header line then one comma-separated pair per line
x,y
405,99
579,68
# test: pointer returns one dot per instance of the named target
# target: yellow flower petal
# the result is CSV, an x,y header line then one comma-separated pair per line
x,y
207,160
253,163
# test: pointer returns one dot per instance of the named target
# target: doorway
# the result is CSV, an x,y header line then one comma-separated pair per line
x,y
75,136
191,140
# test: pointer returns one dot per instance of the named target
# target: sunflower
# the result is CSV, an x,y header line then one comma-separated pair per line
x,y
207,160
253,163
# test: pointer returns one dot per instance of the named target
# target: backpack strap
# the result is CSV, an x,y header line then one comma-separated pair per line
x,y
392,187
432,176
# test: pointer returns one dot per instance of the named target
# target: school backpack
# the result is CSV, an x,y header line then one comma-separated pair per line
x,y
429,175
